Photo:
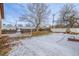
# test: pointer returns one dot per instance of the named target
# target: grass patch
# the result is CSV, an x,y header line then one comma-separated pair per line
x,y
5,43
4,49
38,33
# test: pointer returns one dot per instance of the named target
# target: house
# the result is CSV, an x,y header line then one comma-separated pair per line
x,y
1,16
1,10
8,27
24,25
19,25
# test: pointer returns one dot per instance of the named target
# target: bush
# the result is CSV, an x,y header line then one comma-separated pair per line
x,y
37,33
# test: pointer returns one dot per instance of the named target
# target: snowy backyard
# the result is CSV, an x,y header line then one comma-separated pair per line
x,y
55,44
39,29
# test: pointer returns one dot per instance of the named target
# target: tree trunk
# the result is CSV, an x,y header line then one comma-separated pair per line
x,y
68,29
37,27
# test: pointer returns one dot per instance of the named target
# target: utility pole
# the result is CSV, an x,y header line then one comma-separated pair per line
x,y
53,19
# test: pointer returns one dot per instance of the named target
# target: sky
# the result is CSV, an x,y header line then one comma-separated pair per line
x,y
13,11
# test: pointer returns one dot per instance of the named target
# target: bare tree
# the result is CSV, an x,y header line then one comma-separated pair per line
x,y
68,15
36,13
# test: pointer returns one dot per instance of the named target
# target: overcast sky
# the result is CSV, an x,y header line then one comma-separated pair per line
x,y
13,11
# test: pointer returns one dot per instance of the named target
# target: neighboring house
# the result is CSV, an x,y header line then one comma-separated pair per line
x,y
8,27
25,26
19,25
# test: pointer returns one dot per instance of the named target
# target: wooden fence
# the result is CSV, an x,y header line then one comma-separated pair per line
x,y
76,30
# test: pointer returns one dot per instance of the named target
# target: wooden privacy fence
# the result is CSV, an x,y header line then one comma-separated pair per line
x,y
60,30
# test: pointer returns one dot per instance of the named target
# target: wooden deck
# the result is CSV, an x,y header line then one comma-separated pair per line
x,y
73,39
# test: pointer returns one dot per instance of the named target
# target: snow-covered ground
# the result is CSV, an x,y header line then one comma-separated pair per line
x,y
55,44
